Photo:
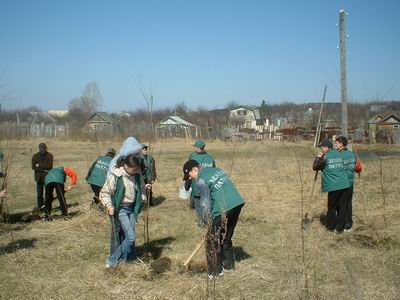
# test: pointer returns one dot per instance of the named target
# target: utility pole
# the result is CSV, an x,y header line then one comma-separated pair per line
x,y
343,72
318,129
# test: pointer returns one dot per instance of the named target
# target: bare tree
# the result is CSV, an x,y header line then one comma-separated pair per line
x,y
5,93
81,108
148,97
93,95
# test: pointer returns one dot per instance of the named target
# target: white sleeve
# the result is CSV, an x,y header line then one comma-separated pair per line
x,y
108,191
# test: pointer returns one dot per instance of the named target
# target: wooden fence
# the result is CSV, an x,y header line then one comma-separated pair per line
x,y
25,129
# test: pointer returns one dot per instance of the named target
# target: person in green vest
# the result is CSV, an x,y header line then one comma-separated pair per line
x,y
97,173
335,182
351,165
55,180
205,160
149,174
123,195
220,204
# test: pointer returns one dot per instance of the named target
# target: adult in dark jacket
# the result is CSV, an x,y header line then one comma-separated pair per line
x,y
42,162
149,174
335,182
220,204
97,173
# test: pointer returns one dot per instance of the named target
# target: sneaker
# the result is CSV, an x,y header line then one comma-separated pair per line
x,y
211,276
347,230
338,232
67,217
47,219
108,266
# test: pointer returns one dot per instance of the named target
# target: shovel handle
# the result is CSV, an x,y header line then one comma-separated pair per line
x,y
193,253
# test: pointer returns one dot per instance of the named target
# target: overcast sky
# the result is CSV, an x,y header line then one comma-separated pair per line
x,y
205,53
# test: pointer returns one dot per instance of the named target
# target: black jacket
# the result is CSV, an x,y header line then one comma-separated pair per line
x,y
45,162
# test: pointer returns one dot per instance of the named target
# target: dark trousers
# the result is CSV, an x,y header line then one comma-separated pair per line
x,y
349,210
60,195
39,194
96,190
219,241
336,214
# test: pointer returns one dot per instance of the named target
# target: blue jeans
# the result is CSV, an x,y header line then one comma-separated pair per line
x,y
125,251
117,235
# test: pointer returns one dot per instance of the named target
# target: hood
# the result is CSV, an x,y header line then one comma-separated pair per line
x,y
121,172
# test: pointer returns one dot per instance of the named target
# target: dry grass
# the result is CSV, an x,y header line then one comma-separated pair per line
x,y
65,259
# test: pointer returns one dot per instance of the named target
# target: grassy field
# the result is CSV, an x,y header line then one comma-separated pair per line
x,y
276,259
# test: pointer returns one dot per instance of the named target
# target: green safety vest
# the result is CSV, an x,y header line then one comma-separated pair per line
x,y
99,172
205,160
149,163
349,162
55,175
334,176
120,194
223,194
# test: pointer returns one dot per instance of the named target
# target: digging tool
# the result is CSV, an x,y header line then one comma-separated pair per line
x,y
187,262
306,219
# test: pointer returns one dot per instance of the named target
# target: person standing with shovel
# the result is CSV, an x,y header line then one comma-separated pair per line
x,y
351,164
220,204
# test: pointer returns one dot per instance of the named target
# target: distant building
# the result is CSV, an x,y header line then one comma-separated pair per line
x,y
40,117
102,121
388,122
175,122
246,117
384,129
58,113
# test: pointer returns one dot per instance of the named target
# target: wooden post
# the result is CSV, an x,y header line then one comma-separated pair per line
x,y
318,129
343,71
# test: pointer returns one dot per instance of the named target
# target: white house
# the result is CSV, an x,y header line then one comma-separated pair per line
x,y
175,121
246,117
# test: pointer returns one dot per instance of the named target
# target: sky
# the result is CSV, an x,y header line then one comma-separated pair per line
x,y
203,53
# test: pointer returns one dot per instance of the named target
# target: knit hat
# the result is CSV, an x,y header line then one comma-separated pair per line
x,y
187,167
111,152
326,143
199,143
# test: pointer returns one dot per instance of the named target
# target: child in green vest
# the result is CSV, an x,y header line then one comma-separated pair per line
x,y
205,160
149,174
220,204
123,195
351,165
97,173
335,182
55,180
